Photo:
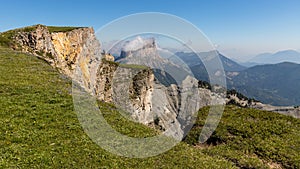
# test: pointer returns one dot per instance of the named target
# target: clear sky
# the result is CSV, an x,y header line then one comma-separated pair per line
x,y
239,28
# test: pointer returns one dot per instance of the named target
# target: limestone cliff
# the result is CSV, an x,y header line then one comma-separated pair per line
x,y
147,94
134,90
104,77
141,51
62,49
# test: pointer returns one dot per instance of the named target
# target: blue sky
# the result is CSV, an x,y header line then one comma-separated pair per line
x,y
239,28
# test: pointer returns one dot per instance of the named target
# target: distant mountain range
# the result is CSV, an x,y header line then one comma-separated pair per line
x,y
274,58
276,84
192,59
57,106
197,67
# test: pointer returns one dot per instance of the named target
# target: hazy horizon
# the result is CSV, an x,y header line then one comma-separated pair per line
x,y
238,29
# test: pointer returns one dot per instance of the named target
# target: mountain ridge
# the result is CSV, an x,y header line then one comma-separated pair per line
x,y
277,81
93,54
278,57
36,106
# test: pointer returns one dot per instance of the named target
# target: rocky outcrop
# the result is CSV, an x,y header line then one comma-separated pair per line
x,y
168,108
286,110
140,95
148,95
63,50
235,98
141,51
132,92
108,57
36,41
104,78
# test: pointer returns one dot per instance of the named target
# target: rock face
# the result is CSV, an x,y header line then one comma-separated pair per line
x,y
38,42
150,94
140,94
144,51
238,99
104,78
141,51
286,110
168,108
145,94
63,50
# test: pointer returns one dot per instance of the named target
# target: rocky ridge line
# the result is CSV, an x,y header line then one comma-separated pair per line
x,y
65,50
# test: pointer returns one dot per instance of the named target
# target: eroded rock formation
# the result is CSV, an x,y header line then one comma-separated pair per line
x,y
63,50
134,89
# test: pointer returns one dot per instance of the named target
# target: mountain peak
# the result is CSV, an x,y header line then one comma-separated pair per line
x,y
139,43
140,50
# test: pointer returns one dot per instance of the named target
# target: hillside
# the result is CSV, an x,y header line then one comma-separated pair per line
x,y
198,68
39,127
276,84
251,137
191,58
36,107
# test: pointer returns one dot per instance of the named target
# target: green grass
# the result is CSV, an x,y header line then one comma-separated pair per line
x,y
251,138
117,121
133,66
110,62
61,28
39,128
6,38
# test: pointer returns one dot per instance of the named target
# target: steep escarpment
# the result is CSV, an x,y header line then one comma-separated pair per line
x,y
104,78
63,48
141,51
140,84
140,93
165,96
35,105
138,46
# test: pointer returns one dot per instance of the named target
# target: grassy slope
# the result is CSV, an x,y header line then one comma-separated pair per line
x,y
39,129
251,138
6,38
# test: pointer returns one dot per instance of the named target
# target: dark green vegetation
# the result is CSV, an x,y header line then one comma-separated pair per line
x,y
132,66
6,38
61,28
39,129
274,84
